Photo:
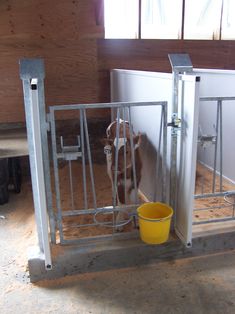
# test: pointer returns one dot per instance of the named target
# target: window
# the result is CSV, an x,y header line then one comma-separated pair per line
x,y
170,19
161,19
228,21
121,18
202,19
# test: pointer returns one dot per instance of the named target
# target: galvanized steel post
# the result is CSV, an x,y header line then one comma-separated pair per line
x,y
32,75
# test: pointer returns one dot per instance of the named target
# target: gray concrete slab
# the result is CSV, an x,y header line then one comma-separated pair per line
x,y
116,254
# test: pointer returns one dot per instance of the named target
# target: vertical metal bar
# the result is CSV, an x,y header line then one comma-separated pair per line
x,y
221,146
216,148
56,175
133,155
116,158
89,158
115,187
124,135
46,160
173,167
164,153
158,154
71,184
83,159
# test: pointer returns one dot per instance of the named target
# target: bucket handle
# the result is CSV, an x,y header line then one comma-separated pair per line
x,y
159,219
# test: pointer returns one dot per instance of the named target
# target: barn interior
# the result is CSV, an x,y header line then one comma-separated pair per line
x,y
69,36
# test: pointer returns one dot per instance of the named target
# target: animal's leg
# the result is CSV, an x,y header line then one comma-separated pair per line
x,y
121,215
142,196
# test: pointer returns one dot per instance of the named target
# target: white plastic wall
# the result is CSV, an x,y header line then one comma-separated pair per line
x,y
218,83
139,86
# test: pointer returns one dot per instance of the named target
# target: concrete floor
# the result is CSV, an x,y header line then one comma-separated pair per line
x,y
203,284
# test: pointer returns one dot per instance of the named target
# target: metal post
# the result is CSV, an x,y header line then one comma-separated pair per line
x,y
83,111
159,156
164,153
216,147
115,193
221,146
56,174
83,160
133,155
180,63
124,135
32,75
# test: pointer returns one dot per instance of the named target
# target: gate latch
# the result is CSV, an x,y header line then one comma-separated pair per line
x,y
175,123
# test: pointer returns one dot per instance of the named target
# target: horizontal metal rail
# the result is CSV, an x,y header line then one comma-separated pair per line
x,y
212,207
216,98
216,194
107,209
106,105
213,220
105,224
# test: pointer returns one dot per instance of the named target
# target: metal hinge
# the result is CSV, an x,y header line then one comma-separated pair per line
x,y
175,124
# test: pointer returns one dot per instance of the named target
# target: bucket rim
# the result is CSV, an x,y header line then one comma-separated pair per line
x,y
156,219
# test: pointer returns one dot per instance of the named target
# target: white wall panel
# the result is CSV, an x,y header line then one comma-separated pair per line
x,y
127,85
218,83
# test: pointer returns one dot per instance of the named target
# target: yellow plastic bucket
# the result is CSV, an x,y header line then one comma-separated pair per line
x,y
154,222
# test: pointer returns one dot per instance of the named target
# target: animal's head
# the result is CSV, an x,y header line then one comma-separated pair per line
x,y
122,148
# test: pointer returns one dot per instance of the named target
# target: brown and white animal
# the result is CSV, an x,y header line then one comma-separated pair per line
x,y
125,189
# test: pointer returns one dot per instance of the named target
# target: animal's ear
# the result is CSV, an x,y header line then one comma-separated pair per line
x,y
137,140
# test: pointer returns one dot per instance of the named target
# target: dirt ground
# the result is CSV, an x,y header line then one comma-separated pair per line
x,y
217,207
104,198
72,225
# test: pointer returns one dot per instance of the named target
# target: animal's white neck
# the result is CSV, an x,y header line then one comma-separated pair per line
x,y
120,142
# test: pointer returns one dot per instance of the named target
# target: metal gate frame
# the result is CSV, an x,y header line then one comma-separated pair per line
x,y
124,109
218,101
38,125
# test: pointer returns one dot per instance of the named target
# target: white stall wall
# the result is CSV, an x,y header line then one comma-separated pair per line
x,y
218,83
139,86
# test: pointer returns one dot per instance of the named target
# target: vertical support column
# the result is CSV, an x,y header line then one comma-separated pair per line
x,y
32,75
180,64
164,151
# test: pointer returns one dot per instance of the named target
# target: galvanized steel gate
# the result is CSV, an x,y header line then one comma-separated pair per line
x,y
81,152
222,197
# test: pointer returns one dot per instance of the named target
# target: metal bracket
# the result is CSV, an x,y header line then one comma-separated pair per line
x,y
180,62
206,140
175,124
70,152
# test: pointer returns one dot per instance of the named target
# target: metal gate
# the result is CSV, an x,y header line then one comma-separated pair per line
x,y
89,219
219,195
